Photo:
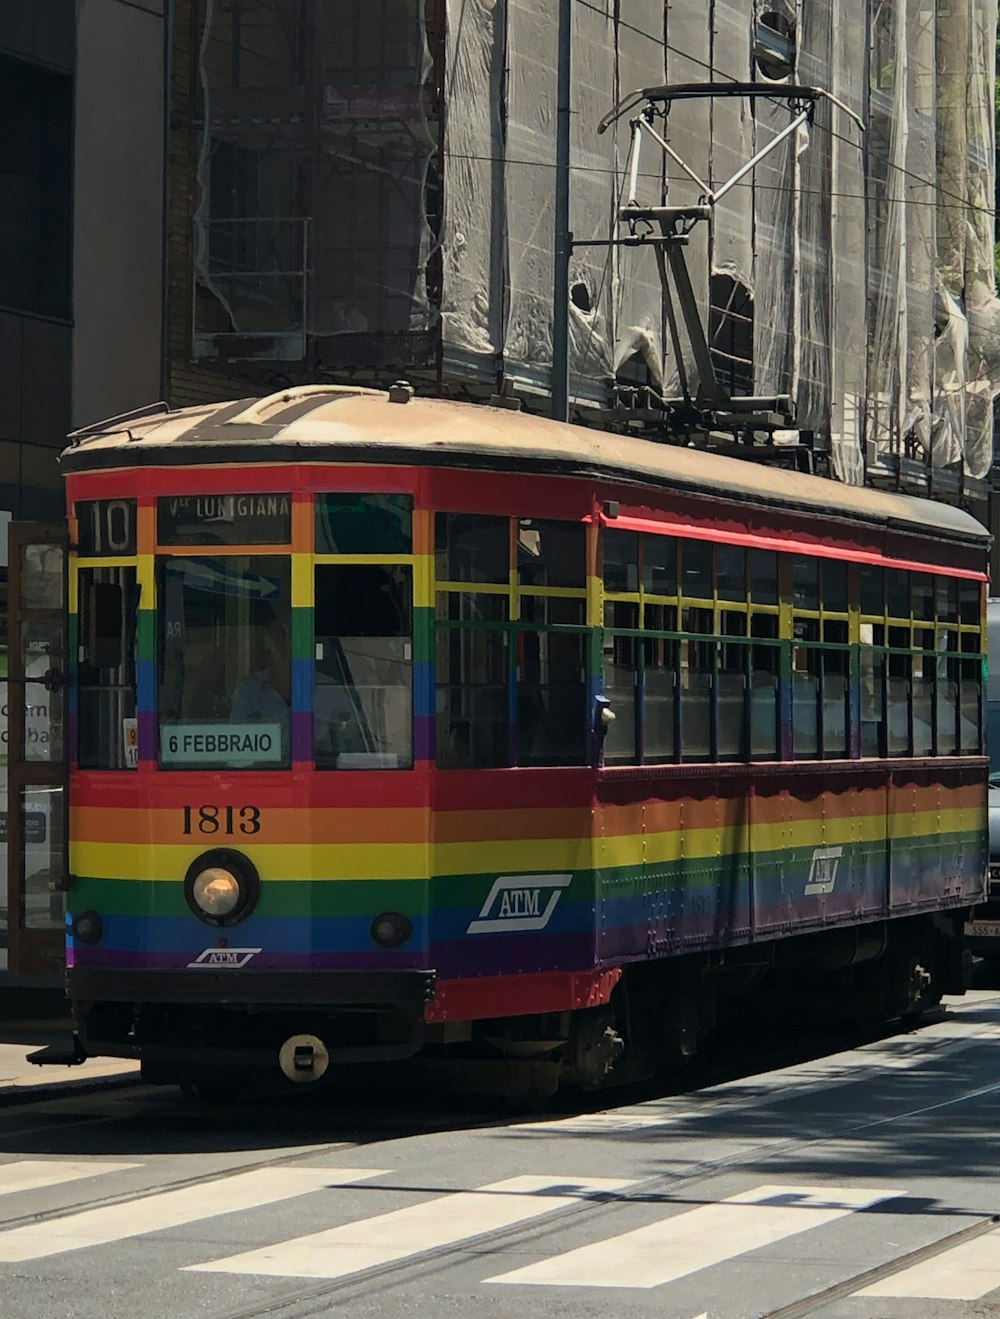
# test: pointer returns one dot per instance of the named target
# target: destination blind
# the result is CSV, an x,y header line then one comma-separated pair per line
x,y
249,519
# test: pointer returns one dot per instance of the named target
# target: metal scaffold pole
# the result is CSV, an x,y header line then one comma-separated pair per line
x,y
563,237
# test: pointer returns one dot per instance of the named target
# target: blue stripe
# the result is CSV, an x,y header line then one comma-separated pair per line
x,y
162,934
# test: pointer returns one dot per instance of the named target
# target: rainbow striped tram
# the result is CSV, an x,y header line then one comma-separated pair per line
x,y
409,726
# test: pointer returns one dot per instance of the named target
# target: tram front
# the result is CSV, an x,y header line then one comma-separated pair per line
x,y
248,864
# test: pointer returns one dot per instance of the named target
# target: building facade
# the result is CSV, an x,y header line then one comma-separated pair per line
x,y
81,309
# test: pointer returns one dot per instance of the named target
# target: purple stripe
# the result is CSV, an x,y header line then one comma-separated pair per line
x,y
104,958
148,750
512,954
423,737
302,735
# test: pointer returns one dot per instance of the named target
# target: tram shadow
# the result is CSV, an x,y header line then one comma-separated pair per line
x,y
126,1119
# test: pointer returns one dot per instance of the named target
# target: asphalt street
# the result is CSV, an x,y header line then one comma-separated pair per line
x,y
857,1186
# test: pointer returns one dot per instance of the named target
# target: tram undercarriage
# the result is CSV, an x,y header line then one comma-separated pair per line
x,y
656,1021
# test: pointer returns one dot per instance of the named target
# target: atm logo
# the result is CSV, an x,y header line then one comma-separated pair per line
x,y
823,870
232,958
519,902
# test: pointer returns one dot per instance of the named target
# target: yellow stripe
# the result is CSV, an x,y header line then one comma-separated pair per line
x,y
527,855
146,577
423,581
106,561
302,581
169,863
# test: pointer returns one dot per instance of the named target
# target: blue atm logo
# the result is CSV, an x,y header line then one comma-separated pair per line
x,y
519,902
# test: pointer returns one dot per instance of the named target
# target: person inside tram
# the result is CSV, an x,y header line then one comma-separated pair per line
x,y
263,696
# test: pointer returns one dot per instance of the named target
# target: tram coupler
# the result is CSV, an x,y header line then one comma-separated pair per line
x,y
304,1058
70,1054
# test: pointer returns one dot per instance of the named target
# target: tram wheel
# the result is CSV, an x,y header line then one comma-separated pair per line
x,y
681,1031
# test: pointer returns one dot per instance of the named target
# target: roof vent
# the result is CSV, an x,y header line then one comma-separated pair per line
x,y
401,391
505,398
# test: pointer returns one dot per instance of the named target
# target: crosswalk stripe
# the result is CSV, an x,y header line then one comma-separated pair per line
x,y
964,1273
36,1174
684,1243
443,1221
601,1124
227,1195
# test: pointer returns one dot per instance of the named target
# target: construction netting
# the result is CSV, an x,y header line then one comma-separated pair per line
x,y
378,169
852,271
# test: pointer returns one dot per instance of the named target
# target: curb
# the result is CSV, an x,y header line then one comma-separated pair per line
x,y
19,1095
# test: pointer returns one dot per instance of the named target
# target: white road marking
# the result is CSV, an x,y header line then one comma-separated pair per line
x,y
227,1195
34,1174
684,1243
964,1273
601,1124
443,1221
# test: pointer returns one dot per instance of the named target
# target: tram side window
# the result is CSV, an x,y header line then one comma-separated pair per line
x,y
551,683
106,727
473,675
364,650
510,641
469,548
364,524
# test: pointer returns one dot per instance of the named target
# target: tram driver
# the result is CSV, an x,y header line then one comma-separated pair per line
x,y
264,694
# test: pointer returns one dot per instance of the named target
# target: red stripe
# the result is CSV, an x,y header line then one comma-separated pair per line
x,y
512,996
784,544
165,789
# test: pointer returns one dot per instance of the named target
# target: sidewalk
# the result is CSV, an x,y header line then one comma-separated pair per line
x,y
21,1081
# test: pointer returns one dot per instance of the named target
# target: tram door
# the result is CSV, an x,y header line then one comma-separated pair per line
x,y
36,748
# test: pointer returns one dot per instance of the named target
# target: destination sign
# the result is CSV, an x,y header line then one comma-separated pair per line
x,y
255,519
221,744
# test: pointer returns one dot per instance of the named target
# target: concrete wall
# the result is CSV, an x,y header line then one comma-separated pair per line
x,y
118,230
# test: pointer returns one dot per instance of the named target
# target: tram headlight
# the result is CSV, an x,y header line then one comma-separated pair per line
x,y
216,891
221,886
87,927
391,929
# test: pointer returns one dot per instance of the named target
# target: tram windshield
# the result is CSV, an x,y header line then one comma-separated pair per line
x,y
225,662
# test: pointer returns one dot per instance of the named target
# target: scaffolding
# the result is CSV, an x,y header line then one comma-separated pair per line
x,y
377,193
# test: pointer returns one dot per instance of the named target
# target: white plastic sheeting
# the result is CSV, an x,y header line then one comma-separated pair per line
x,y
869,260
374,172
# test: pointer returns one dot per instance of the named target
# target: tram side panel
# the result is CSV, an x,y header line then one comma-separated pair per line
x,y
512,892
937,846
819,849
673,865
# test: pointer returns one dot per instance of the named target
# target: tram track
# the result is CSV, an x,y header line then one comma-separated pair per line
x,y
817,1301
305,1302
661,1189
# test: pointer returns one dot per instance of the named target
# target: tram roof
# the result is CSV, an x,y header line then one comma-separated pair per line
x,y
345,424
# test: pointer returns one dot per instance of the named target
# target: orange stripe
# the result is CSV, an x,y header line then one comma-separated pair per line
x,y
277,825
503,826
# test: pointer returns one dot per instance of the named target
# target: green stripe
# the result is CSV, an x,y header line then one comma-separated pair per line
x,y
305,898
423,635
145,638
299,898
302,633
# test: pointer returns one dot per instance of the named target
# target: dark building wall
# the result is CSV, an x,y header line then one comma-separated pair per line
x,y
118,223
37,58
81,228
